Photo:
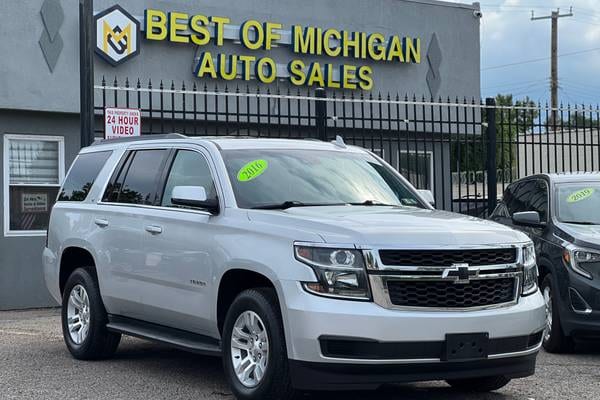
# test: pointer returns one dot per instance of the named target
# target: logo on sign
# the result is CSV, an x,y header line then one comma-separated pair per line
x,y
117,35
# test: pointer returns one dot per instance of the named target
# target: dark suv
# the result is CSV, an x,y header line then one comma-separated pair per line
x,y
561,214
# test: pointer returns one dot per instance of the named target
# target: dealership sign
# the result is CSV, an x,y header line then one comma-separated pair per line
x,y
117,39
122,123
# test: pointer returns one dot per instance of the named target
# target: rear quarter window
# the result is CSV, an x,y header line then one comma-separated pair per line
x,y
82,176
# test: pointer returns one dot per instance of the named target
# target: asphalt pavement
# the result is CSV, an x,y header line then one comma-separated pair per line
x,y
35,364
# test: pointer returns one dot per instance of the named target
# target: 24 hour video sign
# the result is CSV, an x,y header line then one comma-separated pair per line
x,y
122,123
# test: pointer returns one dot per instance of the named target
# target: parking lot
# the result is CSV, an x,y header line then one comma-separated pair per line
x,y
34,364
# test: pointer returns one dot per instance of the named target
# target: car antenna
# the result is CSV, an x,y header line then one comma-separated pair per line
x,y
339,142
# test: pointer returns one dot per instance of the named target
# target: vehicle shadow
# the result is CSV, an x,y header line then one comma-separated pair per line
x,y
198,371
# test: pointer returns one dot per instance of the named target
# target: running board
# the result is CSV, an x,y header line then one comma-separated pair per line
x,y
182,340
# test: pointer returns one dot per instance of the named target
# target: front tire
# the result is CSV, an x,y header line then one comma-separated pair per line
x,y
555,341
84,319
254,351
480,385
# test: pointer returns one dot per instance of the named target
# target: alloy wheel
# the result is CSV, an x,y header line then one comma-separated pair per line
x,y
249,349
78,314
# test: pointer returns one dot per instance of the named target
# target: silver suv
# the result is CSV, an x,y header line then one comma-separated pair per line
x,y
305,265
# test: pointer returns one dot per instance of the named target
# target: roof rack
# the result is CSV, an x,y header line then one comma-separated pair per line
x,y
140,138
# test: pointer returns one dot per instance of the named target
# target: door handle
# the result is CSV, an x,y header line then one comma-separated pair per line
x,y
102,223
153,229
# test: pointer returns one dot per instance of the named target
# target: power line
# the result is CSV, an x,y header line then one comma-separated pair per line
x,y
534,60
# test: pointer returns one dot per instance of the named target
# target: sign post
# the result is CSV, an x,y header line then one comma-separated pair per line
x,y
86,72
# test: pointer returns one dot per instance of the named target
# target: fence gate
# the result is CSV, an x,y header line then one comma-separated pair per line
x,y
464,150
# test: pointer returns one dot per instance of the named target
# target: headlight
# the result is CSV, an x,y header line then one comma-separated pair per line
x,y
530,270
581,261
340,272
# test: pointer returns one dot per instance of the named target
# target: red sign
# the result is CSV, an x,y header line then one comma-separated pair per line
x,y
122,123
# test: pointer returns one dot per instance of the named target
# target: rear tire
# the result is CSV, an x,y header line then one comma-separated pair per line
x,y
84,319
555,341
480,385
271,379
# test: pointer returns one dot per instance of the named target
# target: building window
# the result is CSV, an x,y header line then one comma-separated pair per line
x,y
33,171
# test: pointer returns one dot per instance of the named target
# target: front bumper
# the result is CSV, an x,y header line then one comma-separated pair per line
x,y
575,322
309,318
332,376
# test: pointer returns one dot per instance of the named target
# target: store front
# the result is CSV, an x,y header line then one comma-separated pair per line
x,y
425,48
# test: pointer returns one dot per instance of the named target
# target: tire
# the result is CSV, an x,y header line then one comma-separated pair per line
x,y
95,342
555,341
275,382
480,385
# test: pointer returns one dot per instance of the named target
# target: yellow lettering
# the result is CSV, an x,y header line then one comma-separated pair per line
x,y
303,39
351,42
272,34
156,24
348,77
413,50
198,25
394,49
335,50
223,62
366,79
259,34
297,74
315,75
269,65
175,27
375,46
206,65
220,23
331,82
246,66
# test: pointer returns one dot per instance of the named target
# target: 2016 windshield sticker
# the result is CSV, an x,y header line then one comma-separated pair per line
x,y
580,195
252,170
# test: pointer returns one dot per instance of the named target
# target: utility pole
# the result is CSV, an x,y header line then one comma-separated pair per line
x,y
86,71
553,56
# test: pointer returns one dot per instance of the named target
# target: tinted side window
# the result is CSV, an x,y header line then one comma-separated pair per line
x,y
519,197
84,172
188,169
141,178
539,199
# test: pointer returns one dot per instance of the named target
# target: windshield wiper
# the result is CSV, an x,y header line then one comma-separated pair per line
x,y
291,204
578,223
373,203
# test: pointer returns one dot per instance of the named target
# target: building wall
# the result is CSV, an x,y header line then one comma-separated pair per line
x,y
21,278
27,83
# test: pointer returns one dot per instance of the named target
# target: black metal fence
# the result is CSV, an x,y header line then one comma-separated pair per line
x,y
466,151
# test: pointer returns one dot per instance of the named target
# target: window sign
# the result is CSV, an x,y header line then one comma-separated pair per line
x,y
33,171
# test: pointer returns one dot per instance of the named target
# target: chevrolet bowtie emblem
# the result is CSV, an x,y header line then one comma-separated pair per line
x,y
460,273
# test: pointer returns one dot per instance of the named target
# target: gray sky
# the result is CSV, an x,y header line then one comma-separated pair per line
x,y
509,36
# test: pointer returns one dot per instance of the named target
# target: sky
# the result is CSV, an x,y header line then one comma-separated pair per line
x,y
509,36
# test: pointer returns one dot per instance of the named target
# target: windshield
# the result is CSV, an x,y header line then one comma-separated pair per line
x,y
578,203
287,178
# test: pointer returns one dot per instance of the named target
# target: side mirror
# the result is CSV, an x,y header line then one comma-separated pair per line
x,y
427,195
195,197
528,218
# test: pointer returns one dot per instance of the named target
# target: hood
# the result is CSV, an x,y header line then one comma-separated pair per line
x,y
582,235
391,226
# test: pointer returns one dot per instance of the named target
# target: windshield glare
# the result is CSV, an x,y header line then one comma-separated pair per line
x,y
578,203
263,178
